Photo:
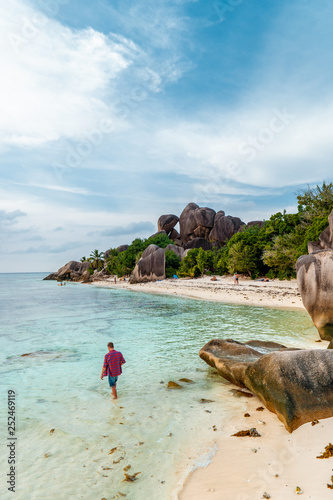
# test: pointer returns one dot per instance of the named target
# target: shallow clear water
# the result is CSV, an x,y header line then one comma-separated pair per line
x,y
159,433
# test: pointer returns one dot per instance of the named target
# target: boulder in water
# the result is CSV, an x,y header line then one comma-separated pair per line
x,y
296,384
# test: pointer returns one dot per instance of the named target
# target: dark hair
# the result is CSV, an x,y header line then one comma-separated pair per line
x,y
110,344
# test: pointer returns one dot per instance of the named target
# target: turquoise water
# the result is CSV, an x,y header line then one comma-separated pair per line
x,y
160,433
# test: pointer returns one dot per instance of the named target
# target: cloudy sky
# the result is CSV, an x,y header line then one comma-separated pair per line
x,y
113,112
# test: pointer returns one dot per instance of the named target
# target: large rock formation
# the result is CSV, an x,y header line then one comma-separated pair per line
x,y
151,266
196,222
201,222
295,384
225,227
179,251
122,248
167,223
315,283
198,243
325,238
259,223
71,271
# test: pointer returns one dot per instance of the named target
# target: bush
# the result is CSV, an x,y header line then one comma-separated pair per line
x,y
172,263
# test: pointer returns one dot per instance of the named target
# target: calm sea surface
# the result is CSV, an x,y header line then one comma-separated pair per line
x,y
161,434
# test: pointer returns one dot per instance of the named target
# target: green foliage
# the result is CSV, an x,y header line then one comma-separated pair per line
x,y
161,240
122,264
282,254
197,262
188,263
96,259
313,231
172,263
271,250
316,202
221,260
242,259
245,252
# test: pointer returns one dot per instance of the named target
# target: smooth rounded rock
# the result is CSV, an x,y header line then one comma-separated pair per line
x,y
315,283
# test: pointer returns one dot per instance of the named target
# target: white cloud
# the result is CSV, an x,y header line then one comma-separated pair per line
x,y
54,79
252,147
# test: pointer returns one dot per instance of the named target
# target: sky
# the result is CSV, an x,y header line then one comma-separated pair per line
x,y
114,112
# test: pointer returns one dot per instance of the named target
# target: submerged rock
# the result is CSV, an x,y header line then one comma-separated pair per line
x,y
295,384
174,385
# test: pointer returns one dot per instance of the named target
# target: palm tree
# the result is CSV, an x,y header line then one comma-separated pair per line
x,y
96,259
84,259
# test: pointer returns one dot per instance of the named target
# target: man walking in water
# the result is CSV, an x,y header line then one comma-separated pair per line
x,y
113,362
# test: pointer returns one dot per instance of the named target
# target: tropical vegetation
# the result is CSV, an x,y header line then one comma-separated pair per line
x,y
271,250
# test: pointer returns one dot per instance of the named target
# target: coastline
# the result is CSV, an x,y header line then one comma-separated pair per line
x,y
275,293
276,463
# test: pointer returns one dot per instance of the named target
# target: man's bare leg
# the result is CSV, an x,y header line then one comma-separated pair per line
x,y
114,392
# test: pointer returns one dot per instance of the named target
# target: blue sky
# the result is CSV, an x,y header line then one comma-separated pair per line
x,y
116,112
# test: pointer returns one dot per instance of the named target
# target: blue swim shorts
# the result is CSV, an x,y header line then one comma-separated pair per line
x,y
112,380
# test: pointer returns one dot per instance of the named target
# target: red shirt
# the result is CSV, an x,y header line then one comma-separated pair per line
x,y
112,362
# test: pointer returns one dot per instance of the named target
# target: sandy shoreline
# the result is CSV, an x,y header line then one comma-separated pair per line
x,y
276,294
244,468
276,463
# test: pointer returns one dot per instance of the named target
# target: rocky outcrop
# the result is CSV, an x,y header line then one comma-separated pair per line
x,y
167,223
72,271
175,236
259,223
122,248
100,275
198,243
325,239
225,227
151,266
50,277
315,283
156,234
179,251
195,222
149,250
295,384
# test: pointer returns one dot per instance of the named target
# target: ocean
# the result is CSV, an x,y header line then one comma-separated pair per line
x,y
74,441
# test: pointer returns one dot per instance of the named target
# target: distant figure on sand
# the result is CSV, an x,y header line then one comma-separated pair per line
x,y
113,362
236,276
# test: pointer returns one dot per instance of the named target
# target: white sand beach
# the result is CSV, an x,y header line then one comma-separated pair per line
x,y
275,293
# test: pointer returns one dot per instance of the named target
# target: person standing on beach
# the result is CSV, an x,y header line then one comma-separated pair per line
x,y
113,362
236,276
